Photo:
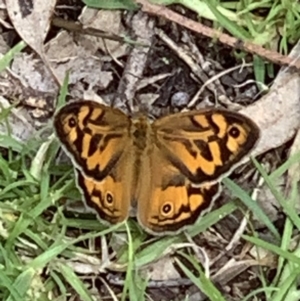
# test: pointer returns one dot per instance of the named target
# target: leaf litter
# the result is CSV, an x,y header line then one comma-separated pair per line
x,y
93,64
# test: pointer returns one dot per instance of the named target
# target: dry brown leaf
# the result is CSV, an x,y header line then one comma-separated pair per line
x,y
294,170
278,113
3,16
109,21
31,20
80,60
31,71
161,270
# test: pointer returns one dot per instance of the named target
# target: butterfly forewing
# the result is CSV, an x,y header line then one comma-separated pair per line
x,y
207,144
97,139
94,136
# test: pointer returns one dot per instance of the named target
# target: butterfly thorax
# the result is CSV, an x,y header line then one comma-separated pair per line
x,y
142,135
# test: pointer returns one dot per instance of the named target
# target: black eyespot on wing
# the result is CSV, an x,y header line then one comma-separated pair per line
x,y
234,132
166,209
72,122
109,198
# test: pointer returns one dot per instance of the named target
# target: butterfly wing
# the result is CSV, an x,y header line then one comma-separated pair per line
x,y
167,201
110,197
205,145
190,152
97,138
93,135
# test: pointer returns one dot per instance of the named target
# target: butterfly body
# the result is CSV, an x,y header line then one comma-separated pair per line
x,y
167,170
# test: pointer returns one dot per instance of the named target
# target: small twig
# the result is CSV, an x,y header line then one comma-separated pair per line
x,y
77,27
184,55
195,66
142,29
193,101
226,39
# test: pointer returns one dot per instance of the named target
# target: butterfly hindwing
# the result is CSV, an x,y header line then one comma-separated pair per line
x,y
167,201
110,198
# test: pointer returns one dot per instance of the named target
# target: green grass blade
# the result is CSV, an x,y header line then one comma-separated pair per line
x,y
202,282
252,205
237,31
112,4
75,282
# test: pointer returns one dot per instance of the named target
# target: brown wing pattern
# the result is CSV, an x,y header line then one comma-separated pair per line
x,y
167,200
110,198
207,144
94,136
176,207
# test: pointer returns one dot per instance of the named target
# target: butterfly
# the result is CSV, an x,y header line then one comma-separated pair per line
x,y
167,171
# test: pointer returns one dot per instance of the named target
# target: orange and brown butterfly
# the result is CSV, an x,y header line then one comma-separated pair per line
x,y
168,170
